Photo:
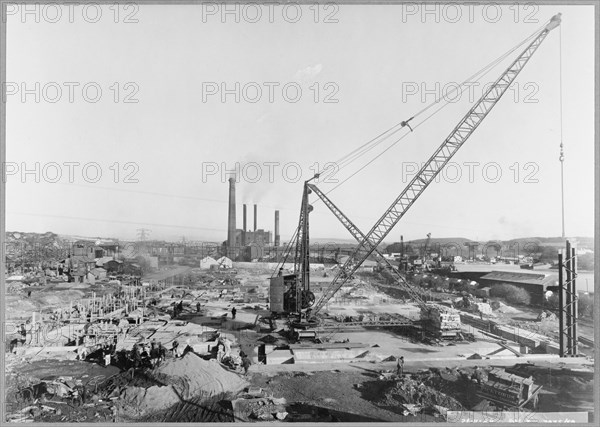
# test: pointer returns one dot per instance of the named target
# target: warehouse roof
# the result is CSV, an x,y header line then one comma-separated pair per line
x,y
518,277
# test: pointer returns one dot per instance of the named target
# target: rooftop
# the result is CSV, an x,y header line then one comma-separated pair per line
x,y
518,277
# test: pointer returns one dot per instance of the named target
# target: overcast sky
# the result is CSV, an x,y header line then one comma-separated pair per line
x,y
358,77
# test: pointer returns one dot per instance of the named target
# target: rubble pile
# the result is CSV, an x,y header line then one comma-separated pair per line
x,y
417,392
266,410
258,407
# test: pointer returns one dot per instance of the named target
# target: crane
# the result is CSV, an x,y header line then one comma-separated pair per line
x,y
430,169
290,293
441,320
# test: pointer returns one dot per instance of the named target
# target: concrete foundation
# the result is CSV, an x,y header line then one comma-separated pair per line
x,y
328,353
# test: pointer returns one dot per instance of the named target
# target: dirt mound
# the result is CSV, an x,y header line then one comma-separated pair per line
x,y
142,401
192,376
507,309
197,410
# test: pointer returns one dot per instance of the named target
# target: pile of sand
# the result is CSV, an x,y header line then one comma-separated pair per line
x,y
143,401
192,376
503,308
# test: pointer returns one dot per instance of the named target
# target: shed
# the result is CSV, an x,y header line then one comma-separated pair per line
x,y
206,262
225,262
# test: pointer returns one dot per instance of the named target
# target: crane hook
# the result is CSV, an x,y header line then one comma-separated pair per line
x,y
405,123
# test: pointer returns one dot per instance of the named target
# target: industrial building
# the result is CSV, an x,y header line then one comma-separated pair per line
x,y
245,243
535,284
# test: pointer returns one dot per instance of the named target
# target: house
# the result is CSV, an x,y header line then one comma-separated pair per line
x,y
99,273
101,261
132,269
80,265
113,266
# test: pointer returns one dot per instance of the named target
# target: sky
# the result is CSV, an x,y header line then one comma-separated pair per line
x,y
141,117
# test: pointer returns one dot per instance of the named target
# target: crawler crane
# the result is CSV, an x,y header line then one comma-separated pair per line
x,y
290,293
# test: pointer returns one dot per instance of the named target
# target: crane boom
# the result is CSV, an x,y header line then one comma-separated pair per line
x,y
360,237
462,131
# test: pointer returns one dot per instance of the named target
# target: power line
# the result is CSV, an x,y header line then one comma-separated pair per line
x,y
374,142
461,88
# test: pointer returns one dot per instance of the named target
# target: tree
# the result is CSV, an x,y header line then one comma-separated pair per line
x,y
552,302
585,261
585,306
511,294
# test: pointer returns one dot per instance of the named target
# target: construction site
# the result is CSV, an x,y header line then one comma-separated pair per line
x,y
257,329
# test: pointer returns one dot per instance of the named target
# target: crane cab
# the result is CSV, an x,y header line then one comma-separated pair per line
x,y
284,292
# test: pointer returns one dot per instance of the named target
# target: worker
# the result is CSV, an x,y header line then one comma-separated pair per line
x,y
153,353
198,305
400,366
245,364
107,357
220,352
233,312
162,353
174,348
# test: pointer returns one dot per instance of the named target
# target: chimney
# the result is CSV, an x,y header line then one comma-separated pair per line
x,y
255,220
231,218
276,243
244,228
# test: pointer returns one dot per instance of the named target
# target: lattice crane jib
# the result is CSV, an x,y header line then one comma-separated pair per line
x,y
457,137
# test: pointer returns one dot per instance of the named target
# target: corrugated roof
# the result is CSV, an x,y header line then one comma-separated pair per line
x,y
518,277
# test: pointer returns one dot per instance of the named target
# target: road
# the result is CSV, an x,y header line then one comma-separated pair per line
x,y
424,363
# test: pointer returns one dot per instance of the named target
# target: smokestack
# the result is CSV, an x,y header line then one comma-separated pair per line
x,y
245,228
255,220
276,243
231,218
